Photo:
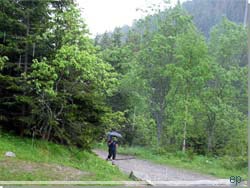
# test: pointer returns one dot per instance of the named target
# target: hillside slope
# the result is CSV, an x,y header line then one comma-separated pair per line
x,y
47,161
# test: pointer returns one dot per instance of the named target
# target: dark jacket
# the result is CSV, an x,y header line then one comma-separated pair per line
x,y
112,145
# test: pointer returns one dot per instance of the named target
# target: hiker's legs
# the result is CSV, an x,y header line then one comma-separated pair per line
x,y
114,155
110,154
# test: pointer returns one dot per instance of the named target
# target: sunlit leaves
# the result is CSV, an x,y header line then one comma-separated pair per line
x,y
42,77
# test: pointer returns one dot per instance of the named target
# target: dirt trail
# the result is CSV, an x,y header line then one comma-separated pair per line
x,y
165,176
146,170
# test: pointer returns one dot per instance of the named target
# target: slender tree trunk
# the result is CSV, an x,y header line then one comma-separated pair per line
x,y
211,120
133,125
133,128
27,44
22,123
210,138
248,88
44,134
209,142
185,129
159,120
159,131
49,132
159,116
25,70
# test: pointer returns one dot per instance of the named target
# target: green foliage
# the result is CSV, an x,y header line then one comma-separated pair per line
x,y
2,61
159,82
113,120
228,44
42,78
58,88
179,90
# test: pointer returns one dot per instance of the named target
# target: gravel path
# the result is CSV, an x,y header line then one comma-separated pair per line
x,y
166,176
146,170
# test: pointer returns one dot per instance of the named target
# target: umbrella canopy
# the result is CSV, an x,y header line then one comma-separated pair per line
x,y
114,133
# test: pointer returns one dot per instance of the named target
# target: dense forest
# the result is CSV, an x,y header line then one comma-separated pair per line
x,y
53,82
179,88
163,83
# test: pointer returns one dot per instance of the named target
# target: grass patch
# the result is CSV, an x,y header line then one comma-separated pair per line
x,y
197,163
44,161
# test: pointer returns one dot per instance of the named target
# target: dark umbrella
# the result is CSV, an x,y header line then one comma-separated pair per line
x,y
114,133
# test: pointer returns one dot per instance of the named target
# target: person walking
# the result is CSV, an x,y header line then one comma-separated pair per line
x,y
112,148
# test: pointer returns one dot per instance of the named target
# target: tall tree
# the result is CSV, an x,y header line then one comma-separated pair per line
x,y
188,77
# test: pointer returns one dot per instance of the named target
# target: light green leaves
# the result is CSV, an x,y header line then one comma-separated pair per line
x,y
2,61
43,77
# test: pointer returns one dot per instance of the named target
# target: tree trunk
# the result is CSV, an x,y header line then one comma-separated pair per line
x,y
159,120
25,71
185,129
49,132
211,127
133,125
21,129
159,131
44,134
209,142
27,44
184,138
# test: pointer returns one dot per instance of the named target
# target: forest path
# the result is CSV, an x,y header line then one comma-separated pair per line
x,y
146,170
151,172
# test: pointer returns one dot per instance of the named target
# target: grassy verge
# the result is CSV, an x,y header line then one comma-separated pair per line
x,y
196,163
48,161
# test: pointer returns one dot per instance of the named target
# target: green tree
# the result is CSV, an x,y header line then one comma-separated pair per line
x,y
156,52
188,77
71,88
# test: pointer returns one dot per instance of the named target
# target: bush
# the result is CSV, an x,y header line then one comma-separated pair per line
x,y
171,148
160,151
190,154
180,155
239,162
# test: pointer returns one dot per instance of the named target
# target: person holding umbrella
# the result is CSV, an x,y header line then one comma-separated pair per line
x,y
112,145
